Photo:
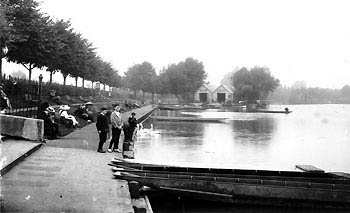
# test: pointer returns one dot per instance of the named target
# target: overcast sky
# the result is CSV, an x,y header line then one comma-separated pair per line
x,y
297,40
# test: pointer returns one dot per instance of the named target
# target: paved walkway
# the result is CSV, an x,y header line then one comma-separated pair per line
x,y
13,151
84,138
65,175
64,180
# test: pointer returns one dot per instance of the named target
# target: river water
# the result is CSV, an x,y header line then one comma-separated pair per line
x,y
312,134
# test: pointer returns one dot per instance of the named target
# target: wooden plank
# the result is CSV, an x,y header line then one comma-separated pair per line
x,y
309,168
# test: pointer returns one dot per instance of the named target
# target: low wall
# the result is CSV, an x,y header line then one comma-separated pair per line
x,y
27,128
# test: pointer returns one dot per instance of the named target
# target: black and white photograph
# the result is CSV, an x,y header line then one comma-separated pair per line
x,y
164,106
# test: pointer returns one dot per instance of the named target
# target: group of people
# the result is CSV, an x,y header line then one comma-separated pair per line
x,y
65,116
85,112
47,113
103,123
4,103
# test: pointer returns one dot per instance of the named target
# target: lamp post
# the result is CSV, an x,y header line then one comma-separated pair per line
x,y
3,53
40,86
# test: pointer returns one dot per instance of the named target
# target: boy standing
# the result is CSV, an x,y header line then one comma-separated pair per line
x,y
102,128
117,125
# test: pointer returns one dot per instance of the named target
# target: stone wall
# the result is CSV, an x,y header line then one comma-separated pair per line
x,y
27,128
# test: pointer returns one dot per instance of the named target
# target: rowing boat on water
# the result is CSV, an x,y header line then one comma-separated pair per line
x,y
232,185
270,111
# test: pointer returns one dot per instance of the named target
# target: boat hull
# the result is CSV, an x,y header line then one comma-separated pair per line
x,y
232,185
237,190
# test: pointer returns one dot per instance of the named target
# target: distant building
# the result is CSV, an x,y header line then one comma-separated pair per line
x,y
203,94
211,94
222,94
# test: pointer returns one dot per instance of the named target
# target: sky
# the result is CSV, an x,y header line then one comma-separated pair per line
x,y
297,40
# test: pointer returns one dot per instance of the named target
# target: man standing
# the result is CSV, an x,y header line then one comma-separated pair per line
x,y
132,125
117,125
102,128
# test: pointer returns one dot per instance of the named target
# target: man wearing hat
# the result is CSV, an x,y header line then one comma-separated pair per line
x,y
102,128
132,125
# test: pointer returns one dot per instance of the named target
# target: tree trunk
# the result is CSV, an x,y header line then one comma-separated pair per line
x,y
30,72
51,73
64,79
83,82
104,87
76,81
92,84
29,68
1,68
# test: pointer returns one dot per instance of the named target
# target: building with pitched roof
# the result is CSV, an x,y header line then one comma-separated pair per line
x,y
212,94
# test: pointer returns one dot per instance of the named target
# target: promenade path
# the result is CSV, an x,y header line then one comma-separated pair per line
x,y
67,175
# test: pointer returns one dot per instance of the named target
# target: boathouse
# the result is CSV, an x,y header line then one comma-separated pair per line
x,y
204,94
222,94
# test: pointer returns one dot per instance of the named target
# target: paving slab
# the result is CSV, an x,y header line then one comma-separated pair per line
x,y
13,151
64,180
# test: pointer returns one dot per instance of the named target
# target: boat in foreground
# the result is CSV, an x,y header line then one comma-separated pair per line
x,y
241,186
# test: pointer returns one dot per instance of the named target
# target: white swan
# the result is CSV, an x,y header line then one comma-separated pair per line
x,y
142,131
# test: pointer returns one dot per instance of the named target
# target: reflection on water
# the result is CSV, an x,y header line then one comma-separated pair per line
x,y
258,131
312,134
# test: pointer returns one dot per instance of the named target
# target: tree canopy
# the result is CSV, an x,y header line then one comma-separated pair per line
x,y
183,79
254,84
36,41
141,77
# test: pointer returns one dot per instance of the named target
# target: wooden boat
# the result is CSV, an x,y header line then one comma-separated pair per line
x,y
234,185
270,111
217,171
309,180
187,119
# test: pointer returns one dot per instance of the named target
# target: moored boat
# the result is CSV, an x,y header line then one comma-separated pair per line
x,y
231,185
270,111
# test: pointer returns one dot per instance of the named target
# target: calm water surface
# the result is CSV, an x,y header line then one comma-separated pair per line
x,y
312,134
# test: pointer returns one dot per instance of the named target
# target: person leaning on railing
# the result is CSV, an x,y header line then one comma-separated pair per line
x,y
5,104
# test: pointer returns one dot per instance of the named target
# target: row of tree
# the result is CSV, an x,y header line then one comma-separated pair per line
x,y
35,40
297,94
181,79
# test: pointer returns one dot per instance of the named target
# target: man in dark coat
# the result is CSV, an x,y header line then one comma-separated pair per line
x,y
132,121
102,128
